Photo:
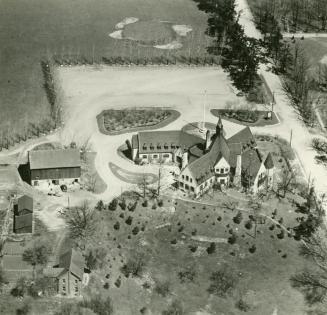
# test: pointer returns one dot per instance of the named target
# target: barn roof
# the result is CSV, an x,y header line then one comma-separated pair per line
x,y
244,136
60,158
251,162
73,261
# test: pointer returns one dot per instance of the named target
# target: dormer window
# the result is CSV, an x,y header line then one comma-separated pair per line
x,y
151,146
144,146
166,146
158,146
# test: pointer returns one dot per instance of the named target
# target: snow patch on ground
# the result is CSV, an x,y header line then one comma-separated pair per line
x,y
324,59
172,45
182,30
117,34
126,21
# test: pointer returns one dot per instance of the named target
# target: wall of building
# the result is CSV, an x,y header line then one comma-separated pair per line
x,y
56,173
156,157
69,285
47,183
259,182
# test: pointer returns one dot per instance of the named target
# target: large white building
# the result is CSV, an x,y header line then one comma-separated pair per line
x,y
203,163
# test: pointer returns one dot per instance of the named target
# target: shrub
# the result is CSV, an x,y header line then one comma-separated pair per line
x,y
162,288
134,266
100,205
154,206
223,282
238,218
193,248
160,203
122,204
118,282
242,305
129,220
113,205
136,230
186,275
281,235
132,207
174,241
232,239
117,226
252,249
145,203
272,227
248,225
211,249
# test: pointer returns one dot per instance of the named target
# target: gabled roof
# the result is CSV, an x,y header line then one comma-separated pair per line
x,y
72,261
203,167
251,162
159,139
53,272
25,203
60,158
23,221
245,137
269,162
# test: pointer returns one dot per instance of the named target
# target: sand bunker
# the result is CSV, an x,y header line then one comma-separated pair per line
x,y
126,21
117,34
182,30
172,45
145,37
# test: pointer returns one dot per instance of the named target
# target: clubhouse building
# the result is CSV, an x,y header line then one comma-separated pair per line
x,y
217,159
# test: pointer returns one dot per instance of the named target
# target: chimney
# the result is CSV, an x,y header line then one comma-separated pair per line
x,y
208,140
238,170
219,127
184,159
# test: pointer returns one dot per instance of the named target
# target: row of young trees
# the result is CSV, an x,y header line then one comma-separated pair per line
x,y
293,15
240,55
28,127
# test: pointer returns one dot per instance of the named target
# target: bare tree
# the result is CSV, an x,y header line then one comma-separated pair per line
x,y
143,185
286,182
81,222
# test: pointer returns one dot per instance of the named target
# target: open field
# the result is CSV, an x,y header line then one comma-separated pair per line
x,y
174,239
62,28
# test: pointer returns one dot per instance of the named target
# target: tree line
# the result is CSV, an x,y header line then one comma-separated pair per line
x,y
292,15
240,55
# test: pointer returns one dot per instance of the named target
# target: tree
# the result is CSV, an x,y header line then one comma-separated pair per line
x,y
95,257
143,185
3,279
223,282
286,182
81,222
134,266
312,282
38,254
256,208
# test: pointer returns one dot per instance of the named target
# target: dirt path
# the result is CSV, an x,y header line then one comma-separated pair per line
x,y
301,137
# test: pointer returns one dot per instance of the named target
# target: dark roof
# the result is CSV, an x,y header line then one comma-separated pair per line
x,y
61,158
235,150
53,272
25,203
203,168
23,221
197,150
171,139
73,261
251,162
244,136
269,162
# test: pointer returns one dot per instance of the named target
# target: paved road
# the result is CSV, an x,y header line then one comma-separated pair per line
x,y
301,137
305,35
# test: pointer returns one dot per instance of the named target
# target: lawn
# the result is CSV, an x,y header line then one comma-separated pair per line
x,y
173,242
63,29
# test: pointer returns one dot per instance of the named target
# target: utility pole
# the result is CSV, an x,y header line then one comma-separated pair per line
x,y
159,178
291,137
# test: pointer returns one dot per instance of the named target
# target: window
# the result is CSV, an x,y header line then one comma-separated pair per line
x,y
64,288
63,280
76,281
158,146
166,155
222,181
144,156
191,180
181,184
192,188
182,176
36,183
186,177
187,186
166,146
145,148
155,156
221,170
151,147
55,182
226,169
